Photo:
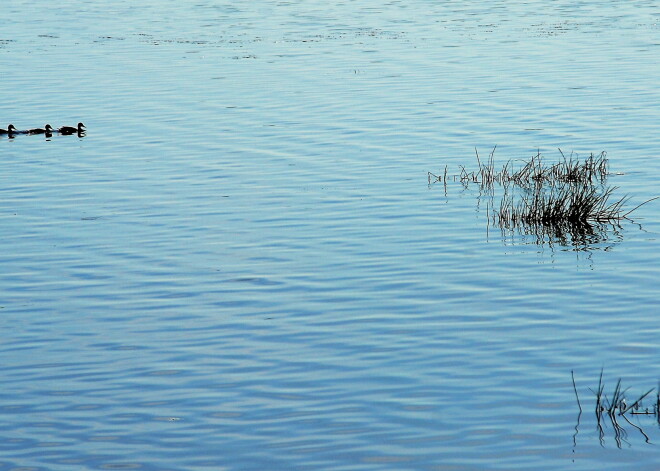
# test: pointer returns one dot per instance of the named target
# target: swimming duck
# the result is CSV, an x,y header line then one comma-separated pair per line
x,y
10,130
48,129
71,130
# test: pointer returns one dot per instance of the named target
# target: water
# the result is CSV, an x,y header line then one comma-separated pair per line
x,y
241,265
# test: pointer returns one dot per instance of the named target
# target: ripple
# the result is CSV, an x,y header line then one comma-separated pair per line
x,y
241,265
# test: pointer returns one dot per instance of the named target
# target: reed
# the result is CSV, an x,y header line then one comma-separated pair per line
x,y
617,403
535,170
565,201
558,205
616,408
570,169
577,205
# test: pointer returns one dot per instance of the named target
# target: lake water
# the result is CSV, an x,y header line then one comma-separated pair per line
x,y
242,266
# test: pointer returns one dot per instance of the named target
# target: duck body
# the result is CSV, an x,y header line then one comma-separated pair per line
x,y
48,129
71,130
10,130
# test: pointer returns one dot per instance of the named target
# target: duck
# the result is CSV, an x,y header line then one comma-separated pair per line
x,y
10,130
48,129
71,130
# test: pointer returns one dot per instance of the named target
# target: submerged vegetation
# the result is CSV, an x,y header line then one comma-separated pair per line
x,y
560,201
617,410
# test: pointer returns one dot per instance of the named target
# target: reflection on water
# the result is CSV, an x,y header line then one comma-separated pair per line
x,y
573,236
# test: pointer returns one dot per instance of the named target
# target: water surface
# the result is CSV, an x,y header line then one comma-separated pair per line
x,y
241,265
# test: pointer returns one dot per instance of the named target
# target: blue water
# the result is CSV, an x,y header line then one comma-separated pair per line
x,y
241,265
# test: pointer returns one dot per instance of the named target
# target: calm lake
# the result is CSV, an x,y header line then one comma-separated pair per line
x,y
242,264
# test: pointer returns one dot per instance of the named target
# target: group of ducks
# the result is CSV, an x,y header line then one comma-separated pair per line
x,y
48,130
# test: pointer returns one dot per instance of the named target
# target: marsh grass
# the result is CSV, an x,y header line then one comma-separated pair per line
x,y
570,169
533,171
567,200
559,205
617,409
562,207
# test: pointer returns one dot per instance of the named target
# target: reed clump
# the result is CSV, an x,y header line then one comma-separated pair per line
x,y
559,205
564,199
594,169
617,408
533,171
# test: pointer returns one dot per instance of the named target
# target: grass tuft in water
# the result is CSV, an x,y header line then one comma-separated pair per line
x,y
533,171
565,201
615,408
575,204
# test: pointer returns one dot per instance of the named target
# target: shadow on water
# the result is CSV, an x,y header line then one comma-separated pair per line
x,y
617,412
566,204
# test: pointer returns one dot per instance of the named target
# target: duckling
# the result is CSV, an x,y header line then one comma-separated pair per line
x,y
48,129
10,130
71,130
